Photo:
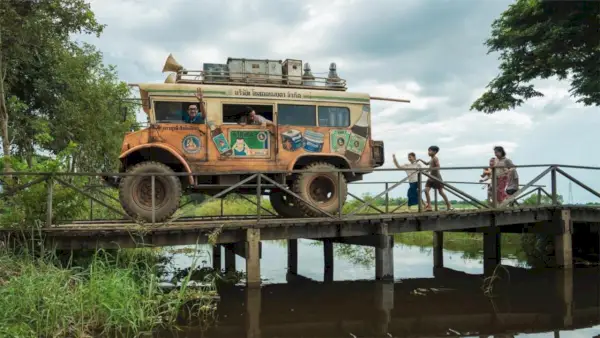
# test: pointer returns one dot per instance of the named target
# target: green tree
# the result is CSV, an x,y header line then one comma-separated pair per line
x,y
55,92
543,39
533,199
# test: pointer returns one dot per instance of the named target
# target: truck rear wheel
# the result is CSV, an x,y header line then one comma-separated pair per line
x,y
284,205
321,189
135,192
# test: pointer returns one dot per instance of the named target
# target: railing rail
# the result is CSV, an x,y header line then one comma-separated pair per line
x,y
261,182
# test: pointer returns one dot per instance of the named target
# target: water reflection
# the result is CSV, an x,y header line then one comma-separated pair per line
x,y
422,302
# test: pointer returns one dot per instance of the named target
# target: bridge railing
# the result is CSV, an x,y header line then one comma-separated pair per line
x,y
15,182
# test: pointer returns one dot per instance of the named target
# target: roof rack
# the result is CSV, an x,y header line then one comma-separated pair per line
x,y
258,73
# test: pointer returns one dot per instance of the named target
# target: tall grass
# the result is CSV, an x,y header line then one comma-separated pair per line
x,y
113,295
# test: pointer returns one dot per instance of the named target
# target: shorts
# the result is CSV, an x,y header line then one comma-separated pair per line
x,y
511,191
433,184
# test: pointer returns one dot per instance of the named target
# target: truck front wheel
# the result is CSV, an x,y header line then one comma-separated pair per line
x,y
135,192
321,189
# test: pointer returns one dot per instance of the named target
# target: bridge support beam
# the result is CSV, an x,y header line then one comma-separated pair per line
x,y
491,249
229,258
564,244
292,259
216,257
438,249
384,255
253,257
327,260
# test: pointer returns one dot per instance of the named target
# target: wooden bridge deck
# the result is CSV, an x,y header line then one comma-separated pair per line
x,y
190,231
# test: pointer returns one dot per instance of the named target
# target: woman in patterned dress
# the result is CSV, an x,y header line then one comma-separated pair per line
x,y
503,173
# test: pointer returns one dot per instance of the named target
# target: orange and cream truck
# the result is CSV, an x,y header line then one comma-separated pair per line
x,y
316,125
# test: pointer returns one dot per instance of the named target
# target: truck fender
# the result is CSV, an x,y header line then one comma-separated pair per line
x,y
163,147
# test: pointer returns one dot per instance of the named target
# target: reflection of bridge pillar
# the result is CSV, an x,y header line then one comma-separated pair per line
x,y
229,258
216,257
438,249
327,260
563,241
384,303
253,257
292,261
253,308
491,250
384,255
564,288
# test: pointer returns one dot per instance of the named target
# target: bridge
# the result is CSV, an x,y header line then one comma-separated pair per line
x,y
367,224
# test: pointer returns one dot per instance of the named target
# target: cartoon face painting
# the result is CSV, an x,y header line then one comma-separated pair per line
x,y
240,148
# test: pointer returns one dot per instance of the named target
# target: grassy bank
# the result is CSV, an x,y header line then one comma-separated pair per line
x,y
116,294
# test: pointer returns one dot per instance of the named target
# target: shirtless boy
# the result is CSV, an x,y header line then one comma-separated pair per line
x,y
434,165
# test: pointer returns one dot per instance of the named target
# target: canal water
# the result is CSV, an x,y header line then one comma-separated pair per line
x,y
456,300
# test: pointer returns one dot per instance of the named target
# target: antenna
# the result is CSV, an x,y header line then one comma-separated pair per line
x,y
570,193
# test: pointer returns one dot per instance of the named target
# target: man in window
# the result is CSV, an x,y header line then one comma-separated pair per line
x,y
192,115
254,118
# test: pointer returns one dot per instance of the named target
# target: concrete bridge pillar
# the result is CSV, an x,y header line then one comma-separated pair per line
x,y
292,261
328,260
438,249
216,257
491,249
253,258
384,255
563,241
229,258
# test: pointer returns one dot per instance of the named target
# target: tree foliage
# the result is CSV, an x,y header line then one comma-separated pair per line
x,y
533,199
540,39
57,92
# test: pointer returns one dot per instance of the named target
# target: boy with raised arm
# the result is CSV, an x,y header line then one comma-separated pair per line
x,y
413,191
434,171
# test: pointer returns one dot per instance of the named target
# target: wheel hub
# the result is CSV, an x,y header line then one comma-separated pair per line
x,y
143,193
322,189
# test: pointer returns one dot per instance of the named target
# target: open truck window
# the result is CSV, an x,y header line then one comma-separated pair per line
x,y
172,111
232,113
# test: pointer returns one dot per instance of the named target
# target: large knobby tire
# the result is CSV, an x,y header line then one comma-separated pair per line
x,y
321,189
135,192
283,204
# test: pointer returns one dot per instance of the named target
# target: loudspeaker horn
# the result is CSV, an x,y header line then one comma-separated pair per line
x,y
171,65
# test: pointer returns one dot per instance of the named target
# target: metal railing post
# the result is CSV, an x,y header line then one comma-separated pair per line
x,y
49,187
494,188
339,184
387,199
435,199
258,196
91,209
152,191
553,186
222,198
419,192
539,196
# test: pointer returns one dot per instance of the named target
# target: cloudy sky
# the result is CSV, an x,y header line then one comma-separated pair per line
x,y
429,51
